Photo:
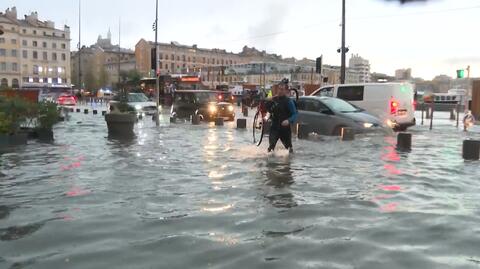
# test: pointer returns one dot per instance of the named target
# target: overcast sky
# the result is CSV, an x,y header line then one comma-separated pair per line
x,y
432,38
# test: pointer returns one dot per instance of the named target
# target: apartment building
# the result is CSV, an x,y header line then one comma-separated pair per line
x,y
33,53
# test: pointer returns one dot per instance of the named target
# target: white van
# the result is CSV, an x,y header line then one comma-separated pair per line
x,y
393,103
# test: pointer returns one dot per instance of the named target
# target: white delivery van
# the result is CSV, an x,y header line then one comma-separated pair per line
x,y
393,103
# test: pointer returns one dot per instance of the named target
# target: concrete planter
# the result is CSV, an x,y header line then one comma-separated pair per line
x,y
45,135
13,140
120,124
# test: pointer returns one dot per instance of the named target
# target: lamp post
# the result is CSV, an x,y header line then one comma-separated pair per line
x,y
343,49
157,75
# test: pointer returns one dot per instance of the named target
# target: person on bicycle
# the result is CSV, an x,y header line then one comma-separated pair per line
x,y
283,114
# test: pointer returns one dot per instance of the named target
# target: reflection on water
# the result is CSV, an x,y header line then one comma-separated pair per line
x,y
186,196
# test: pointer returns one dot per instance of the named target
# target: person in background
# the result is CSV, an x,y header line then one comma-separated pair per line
x,y
283,114
468,120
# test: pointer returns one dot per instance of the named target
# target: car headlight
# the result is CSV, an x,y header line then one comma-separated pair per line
x,y
230,108
368,125
138,107
212,109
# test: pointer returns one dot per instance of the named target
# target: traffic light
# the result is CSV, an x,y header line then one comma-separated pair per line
x,y
318,65
461,73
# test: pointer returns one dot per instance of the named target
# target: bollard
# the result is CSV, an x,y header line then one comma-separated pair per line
x,y
245,111
241,123
85,111
302,131
70,110
471,150
428,113
452,114
104,113
195,119
95,112
348,134
404,141
78,110
172,119
219,122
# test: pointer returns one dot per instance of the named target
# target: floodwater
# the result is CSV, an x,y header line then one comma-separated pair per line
x,y
185,196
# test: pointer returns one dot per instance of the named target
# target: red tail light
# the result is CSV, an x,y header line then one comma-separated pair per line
x,y
220,97
393,107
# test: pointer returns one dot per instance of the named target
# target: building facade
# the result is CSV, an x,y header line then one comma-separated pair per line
x,y
403,74
175,58
33,53
361,66
101,64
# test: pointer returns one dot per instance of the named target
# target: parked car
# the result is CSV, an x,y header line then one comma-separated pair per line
x,y
207,104
66,100
328,115
393,103
139,101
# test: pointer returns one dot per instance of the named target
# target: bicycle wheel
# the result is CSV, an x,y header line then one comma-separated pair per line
x,y
258,129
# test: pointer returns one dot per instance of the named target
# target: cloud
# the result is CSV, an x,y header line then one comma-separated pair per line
x,y
264,33
466,60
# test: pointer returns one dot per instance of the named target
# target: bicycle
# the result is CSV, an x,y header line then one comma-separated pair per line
x,y
262,118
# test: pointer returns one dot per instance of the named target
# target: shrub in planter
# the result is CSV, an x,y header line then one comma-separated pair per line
x,y
47,116
13,113
121,120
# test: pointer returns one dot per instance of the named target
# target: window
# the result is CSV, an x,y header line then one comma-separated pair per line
x,y
188,59
160,56
15,83
14,53
35,44
44,44
44,33
178,58
166,56
64,57
53,34
351,93
183,58
25,54
24,43
24,31
64,46
3,66
54,45
45,55
35,55
25,68
172,66
2,40
14,42
34,32
203,59
14,67
325,92
166,66
173,57
63,35
54,56
35,69
25,79
4,82
3,52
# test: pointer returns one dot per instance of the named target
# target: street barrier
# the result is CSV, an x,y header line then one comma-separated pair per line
x,y
78,110
172,119
348,134
302,131
195,119
241,123
471,150
219,122
404,141
85,111
95,112
104,113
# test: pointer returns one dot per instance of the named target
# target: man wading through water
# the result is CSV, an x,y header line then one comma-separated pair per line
x,y
283,114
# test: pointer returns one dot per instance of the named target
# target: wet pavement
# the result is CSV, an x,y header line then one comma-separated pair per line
x,y
184,196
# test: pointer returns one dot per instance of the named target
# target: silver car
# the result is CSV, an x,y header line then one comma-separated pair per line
x,y
328,115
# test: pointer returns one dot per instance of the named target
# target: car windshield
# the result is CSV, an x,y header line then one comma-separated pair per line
x,y
137,97
340,105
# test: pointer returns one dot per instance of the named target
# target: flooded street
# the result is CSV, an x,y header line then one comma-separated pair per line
x,y
185,196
